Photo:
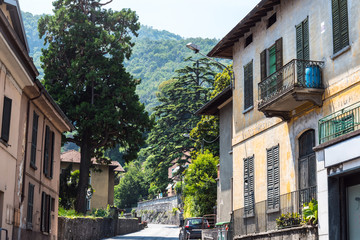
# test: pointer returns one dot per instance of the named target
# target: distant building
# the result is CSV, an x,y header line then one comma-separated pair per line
x,y
30,141
221,106
102,180
173,174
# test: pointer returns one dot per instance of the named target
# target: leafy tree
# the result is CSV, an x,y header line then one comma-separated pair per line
x,y
200,185
69,182
206,131
179,98
132,186
155,56
84,73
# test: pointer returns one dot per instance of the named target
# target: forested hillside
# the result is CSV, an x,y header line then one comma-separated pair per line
x,y
156,55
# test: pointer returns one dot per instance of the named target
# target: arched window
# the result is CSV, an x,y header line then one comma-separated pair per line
x,y
307,160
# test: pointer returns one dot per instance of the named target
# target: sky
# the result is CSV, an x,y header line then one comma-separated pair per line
x,y
187,18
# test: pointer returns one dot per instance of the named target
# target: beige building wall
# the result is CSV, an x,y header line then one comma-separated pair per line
x,y
253,132
18,82
102,182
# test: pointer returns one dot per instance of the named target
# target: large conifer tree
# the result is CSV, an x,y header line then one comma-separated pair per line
x,y
84,73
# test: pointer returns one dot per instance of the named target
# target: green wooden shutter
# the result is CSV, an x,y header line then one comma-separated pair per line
x,y
249,185
340,24
5,128
34,139
273,178
344,26
299,42
306,52
279,54
43,211
52,140
263,65
248,85
30,207
276,178
46,151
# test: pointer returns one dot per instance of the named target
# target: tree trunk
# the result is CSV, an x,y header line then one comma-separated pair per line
x,y
80,205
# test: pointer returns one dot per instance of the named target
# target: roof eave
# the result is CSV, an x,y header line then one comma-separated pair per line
x,y
224,48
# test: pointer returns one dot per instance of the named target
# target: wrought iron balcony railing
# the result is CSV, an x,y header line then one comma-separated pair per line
x,y
296,73
259,219
339,123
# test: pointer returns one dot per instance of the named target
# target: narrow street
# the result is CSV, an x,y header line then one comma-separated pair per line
x,y
153,232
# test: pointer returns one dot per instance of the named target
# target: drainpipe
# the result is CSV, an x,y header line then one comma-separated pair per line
x,y
26,143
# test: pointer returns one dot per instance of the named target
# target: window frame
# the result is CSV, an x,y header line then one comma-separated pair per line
x,y
48,152
340,38
34,135
6,120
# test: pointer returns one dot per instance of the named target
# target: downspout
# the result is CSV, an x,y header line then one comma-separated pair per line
x,y
26,144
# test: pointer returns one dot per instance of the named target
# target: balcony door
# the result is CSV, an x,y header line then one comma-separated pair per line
x,y
307,167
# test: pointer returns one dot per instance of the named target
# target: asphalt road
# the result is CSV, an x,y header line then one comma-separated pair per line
x,y
153,232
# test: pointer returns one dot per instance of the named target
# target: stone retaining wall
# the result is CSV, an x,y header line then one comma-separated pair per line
x,y
98,228
160,210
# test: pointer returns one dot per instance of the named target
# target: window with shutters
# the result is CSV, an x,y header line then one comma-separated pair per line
x,y
271,59
30,207
45,212
270,63
248,86
340,24
6,118
273,179
48,152
249,200
34,140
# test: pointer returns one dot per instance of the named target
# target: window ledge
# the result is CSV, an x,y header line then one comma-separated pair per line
x,y
32,165
248,109
249,215
344,50
4,143
274,210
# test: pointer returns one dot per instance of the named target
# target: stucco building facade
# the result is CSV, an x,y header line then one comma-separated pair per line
x,y
30,139
296,65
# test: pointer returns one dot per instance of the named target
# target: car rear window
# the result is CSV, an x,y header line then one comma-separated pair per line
x,y
195,222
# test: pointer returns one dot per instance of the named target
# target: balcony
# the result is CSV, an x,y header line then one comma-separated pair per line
x,y
261,220
339,123
296,83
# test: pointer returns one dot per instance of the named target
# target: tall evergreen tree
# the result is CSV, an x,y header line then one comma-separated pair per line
x,y
179,99
84,72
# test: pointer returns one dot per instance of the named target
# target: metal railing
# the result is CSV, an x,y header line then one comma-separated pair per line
x,y
264,220
296,73
339,123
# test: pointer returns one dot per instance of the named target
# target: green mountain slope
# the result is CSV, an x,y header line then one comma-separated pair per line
x,y
155,56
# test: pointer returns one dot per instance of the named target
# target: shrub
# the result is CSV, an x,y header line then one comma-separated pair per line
x,y
174,210
310,212
288,220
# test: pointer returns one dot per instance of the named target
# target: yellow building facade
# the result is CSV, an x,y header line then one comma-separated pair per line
x,y
295,62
